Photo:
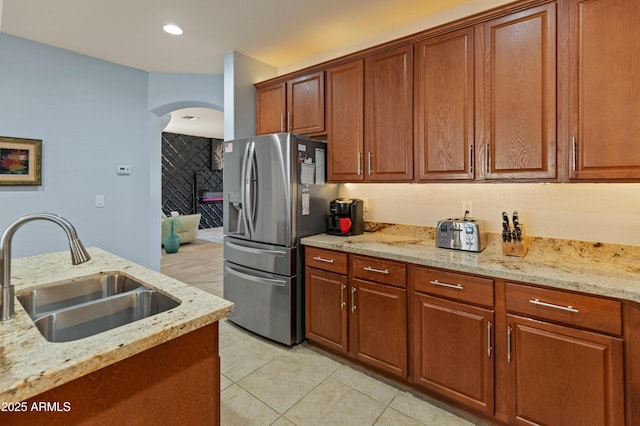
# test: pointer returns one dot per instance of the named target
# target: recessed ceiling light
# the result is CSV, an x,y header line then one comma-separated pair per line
x,y
173,29
190,117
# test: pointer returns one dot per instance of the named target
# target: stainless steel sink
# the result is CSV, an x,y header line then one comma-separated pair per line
x,y
71,314
50,298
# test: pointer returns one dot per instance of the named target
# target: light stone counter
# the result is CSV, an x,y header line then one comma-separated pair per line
x,y
30,365
596,268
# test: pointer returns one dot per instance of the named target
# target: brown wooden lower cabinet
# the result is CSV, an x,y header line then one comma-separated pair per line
x,y
325,313
378,326
375,314
453,351
559,375
551,356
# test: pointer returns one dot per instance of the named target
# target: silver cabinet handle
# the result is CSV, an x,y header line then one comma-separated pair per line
x,y
509,344
488,158
353,300
342,304
322,259
574,153
359,165
379,271
489,348
370,158
551,305
289,120
456,286
471,158
282,122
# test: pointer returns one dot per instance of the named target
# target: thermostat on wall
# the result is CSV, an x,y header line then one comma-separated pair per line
x,y
124,170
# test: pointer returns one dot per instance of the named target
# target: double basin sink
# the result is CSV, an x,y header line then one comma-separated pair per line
x,y
85,307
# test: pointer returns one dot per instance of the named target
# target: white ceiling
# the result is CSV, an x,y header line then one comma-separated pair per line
x,y
277,32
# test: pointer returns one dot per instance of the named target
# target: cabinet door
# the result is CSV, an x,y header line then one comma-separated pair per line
x,y
325,309
564,376
605,82
389,115
345,122
453,351
305,104
516,95
444,107
378,326
271,109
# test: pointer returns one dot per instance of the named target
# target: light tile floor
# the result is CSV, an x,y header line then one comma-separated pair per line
x,y
264,383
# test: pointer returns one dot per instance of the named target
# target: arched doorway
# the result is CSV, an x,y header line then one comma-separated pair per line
x,y
192,164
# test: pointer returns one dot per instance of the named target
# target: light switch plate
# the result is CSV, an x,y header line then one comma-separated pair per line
x,y
124,170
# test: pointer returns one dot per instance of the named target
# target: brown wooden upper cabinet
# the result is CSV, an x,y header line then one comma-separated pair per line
x,y
345,122
388,136
532,92
605,86
516,95
293,106
271,109
444,107
370,118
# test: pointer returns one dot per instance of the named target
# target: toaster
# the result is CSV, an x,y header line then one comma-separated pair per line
x,y
461,234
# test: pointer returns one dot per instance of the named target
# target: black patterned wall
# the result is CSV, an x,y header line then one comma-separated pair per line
x,y
187,173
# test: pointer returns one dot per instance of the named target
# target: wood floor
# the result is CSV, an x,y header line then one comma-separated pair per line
x,y
198,264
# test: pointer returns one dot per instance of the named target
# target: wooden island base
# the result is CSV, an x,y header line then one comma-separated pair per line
x,y
177,382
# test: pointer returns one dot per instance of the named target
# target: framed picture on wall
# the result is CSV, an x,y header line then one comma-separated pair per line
x,y
20,161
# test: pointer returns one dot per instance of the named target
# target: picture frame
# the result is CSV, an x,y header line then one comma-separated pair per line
x,y
20,161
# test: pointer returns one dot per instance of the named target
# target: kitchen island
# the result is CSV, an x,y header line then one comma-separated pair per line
x,y
161,367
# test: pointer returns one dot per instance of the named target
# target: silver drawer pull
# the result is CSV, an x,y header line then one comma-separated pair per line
x,y
380,271
456,286
550,305
322,259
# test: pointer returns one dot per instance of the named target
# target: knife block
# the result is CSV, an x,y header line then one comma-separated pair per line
x,y
518,248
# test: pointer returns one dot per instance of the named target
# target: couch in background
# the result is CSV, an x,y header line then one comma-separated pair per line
x,y
184,226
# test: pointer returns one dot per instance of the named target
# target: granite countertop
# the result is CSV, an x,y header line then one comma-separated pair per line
x,y
30,365
590,267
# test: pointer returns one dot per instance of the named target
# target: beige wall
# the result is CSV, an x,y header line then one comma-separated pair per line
x,y
588,212
468,8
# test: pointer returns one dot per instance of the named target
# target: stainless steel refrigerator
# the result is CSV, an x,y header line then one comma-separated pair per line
x,y
275,193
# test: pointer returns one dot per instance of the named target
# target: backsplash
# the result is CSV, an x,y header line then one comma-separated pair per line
x,y
596,212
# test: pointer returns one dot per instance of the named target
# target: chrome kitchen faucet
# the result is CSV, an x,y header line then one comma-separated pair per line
x,y
78,255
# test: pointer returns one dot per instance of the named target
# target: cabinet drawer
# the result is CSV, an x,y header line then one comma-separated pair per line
x,y
328,260
568,308
466,288
380,270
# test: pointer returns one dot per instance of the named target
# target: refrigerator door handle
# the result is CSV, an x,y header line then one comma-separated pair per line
x,y
260,280
243,195
249,193
275,253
